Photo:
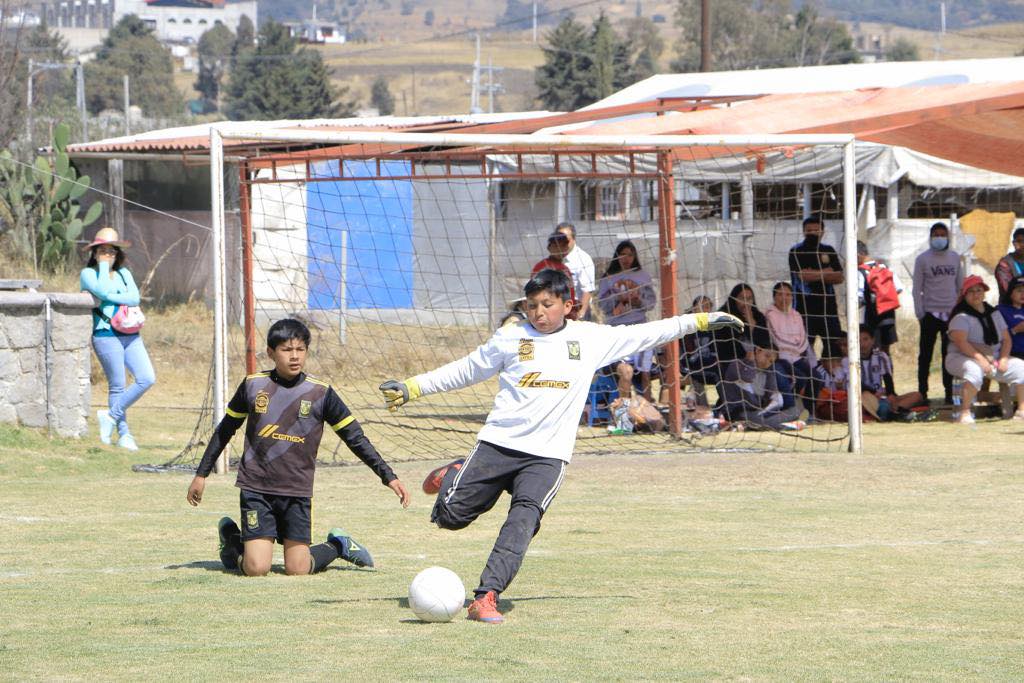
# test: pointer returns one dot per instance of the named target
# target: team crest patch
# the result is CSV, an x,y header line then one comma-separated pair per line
x,y
574,350
525,349
252,519
262,401
305,407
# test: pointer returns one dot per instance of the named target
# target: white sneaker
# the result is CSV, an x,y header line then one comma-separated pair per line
x,y
107,425
127,442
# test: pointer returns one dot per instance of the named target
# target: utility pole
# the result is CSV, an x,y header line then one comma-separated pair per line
x,y
474,83
80,98
414,110
705,35
491,86
127,108
942,30
39,67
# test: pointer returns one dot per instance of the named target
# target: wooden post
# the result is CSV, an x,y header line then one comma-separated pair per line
x,y
248,298
115,186
669,284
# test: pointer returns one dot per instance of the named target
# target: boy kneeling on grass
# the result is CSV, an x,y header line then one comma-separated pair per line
x,y
544,366
287,410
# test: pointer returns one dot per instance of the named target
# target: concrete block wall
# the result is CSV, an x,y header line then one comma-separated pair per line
x,y
25,352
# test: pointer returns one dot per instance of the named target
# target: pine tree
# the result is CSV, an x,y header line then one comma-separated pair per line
x,y
276,81
381,97
563,79
215,48
130,48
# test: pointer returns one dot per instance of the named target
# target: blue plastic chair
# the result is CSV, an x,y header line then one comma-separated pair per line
x,y
603,390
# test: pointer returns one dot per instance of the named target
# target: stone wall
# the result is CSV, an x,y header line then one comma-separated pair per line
x,y
24,356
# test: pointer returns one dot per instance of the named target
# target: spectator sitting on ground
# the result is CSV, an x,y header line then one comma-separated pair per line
x,y
831,379
1012,265
878,288
558,247
581,267
981,348
752,396
1012,310
878,390
731,346
625,295
697,355
787,330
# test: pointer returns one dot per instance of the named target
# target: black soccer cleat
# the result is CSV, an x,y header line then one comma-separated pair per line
x,y
348,549
230,542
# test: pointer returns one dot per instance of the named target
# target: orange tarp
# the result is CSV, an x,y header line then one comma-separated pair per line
x,y
980,125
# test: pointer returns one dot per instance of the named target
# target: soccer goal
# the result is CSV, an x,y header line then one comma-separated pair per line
x,y
405,250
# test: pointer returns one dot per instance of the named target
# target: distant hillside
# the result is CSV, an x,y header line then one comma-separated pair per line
x,y
924,14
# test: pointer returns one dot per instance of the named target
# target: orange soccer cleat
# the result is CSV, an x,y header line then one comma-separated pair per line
x,y
432,484
485,609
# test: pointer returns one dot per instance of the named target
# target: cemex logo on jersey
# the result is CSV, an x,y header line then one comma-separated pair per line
x,y
532,380
270,431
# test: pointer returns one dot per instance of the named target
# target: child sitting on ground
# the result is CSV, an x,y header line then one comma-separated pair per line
x,y
830,382
878,393
752,396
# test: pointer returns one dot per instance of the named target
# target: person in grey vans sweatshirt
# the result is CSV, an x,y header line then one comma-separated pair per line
x,y
937,280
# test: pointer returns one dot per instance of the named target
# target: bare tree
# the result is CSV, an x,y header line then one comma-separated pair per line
x,y
11,68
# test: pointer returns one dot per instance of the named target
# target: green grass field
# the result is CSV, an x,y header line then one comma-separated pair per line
x,y
906,562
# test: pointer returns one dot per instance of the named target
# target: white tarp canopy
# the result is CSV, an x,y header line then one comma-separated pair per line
x,y
877,165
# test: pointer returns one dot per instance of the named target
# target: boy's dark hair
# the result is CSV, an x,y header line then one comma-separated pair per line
x,y
814,218
868,330
285,330
567,226
862,248
763,340
1019,232
551,280
937,226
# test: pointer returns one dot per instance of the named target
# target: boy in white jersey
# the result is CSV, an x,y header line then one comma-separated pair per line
x,y
544,365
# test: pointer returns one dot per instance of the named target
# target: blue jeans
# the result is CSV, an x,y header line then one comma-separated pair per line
x,y
115,354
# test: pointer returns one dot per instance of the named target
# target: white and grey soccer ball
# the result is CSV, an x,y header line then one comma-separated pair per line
x,y
437,595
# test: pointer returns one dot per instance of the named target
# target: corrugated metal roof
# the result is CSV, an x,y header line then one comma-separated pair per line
x,y
197,138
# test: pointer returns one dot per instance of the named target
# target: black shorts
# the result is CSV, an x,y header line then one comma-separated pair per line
x,y
266,515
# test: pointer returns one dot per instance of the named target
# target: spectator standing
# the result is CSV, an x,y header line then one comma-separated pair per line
x,y
878,290
938,277
815,270
581,267
625,297
981,348
558,247
1011,265
112,285
1012,310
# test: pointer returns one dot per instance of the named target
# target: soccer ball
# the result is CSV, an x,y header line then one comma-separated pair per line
x,y
436,594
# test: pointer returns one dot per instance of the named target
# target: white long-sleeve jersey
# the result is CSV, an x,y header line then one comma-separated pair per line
x,y
544,379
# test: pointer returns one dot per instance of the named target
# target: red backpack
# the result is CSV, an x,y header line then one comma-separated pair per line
x,y
883,290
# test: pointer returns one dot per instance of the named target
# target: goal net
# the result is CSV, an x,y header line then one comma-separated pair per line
x,y
406,251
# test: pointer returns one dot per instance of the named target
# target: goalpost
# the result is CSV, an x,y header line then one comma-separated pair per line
x,y
403,249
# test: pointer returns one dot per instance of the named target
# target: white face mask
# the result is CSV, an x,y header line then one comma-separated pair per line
x,y
939,243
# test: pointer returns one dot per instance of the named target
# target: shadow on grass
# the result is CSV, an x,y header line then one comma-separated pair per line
x,y
216,566
505,606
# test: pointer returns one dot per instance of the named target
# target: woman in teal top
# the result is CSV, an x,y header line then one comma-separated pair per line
x,y
111,285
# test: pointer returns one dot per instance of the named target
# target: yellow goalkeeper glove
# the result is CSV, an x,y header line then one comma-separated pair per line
x,y
399,393
717,320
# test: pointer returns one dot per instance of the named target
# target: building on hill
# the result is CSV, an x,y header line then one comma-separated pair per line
x,y
171,20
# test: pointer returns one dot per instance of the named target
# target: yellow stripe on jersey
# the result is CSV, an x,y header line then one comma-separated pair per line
x,y
257,374
268,430
344,423
314,380
234,414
